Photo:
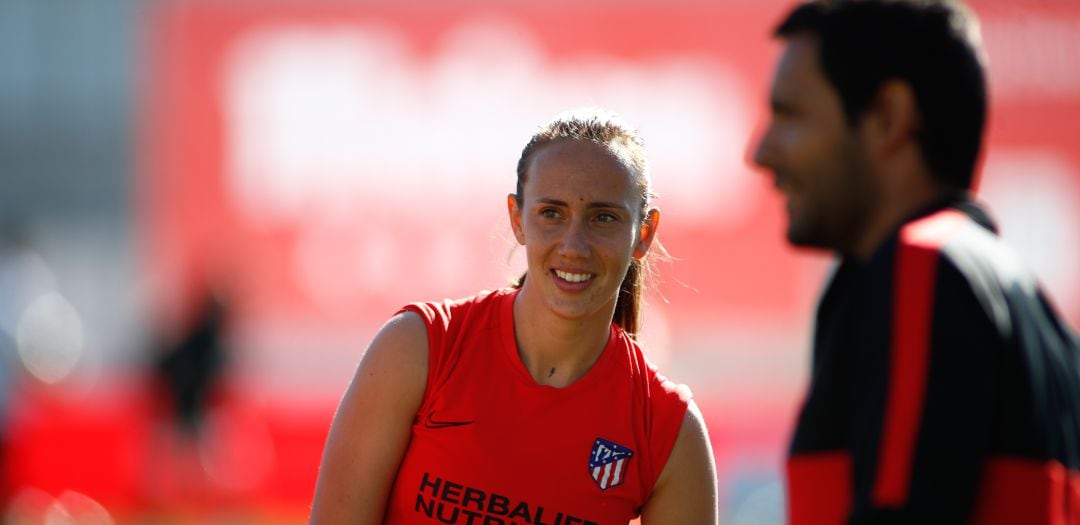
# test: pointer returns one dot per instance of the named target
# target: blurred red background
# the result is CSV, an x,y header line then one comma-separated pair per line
x,y
320,165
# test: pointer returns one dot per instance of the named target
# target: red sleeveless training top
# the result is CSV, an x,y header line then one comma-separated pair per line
x,y
492,447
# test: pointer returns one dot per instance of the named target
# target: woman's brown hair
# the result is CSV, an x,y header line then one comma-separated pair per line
x,y
611,132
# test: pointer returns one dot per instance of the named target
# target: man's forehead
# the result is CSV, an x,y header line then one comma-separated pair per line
x,y
798,68
800,55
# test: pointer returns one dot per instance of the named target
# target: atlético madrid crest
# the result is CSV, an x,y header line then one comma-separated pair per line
x,y
608,462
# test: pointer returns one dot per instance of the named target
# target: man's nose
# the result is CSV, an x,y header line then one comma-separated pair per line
x,y
763,152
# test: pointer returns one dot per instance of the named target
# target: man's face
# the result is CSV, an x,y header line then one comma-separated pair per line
x,y
816,157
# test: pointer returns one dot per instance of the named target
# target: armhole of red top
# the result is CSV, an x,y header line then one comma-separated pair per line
x,y
669,403
436,321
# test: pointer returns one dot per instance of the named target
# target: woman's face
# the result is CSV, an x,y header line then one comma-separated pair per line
x,y
581,223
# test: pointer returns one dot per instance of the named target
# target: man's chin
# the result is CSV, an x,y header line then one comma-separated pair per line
x,y
804,239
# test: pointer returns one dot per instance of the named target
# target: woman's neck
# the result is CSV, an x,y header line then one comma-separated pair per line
x,y
556,351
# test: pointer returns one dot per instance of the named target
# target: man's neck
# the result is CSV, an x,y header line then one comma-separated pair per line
x,y
893,211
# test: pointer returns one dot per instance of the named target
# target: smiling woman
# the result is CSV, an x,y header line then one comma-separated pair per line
x,y
588,168
531,404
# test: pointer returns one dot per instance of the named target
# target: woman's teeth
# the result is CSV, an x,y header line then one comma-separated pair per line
x,y
573,277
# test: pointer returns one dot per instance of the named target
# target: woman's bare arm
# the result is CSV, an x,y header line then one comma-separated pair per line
x,y
685,492
372,426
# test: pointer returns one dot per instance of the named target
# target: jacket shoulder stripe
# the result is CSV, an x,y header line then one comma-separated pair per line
x,y
918,251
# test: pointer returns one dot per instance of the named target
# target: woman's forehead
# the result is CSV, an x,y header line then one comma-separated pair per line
x,y
569,165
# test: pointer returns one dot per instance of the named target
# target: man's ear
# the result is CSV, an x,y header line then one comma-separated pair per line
x,y
892,120
648,233
515,218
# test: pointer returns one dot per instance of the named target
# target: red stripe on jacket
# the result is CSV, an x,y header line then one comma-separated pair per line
x,y
819,488
1012,491
1031,492
909,361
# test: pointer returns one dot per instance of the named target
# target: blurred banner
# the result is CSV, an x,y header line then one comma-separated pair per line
x,y
315,166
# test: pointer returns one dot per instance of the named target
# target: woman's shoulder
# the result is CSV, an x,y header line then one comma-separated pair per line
x,y
444,311
659,387
447,324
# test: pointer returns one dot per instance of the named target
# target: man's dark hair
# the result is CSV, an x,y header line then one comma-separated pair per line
x,y
932,45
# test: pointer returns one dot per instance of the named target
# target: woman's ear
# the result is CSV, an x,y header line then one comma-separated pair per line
x,y
515,218
648,233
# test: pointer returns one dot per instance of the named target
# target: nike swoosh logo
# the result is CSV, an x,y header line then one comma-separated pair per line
x,y
432,423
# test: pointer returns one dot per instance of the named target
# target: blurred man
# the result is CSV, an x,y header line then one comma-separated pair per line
x,y
945,388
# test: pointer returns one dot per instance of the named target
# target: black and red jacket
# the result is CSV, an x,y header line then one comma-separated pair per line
x,y
945,388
